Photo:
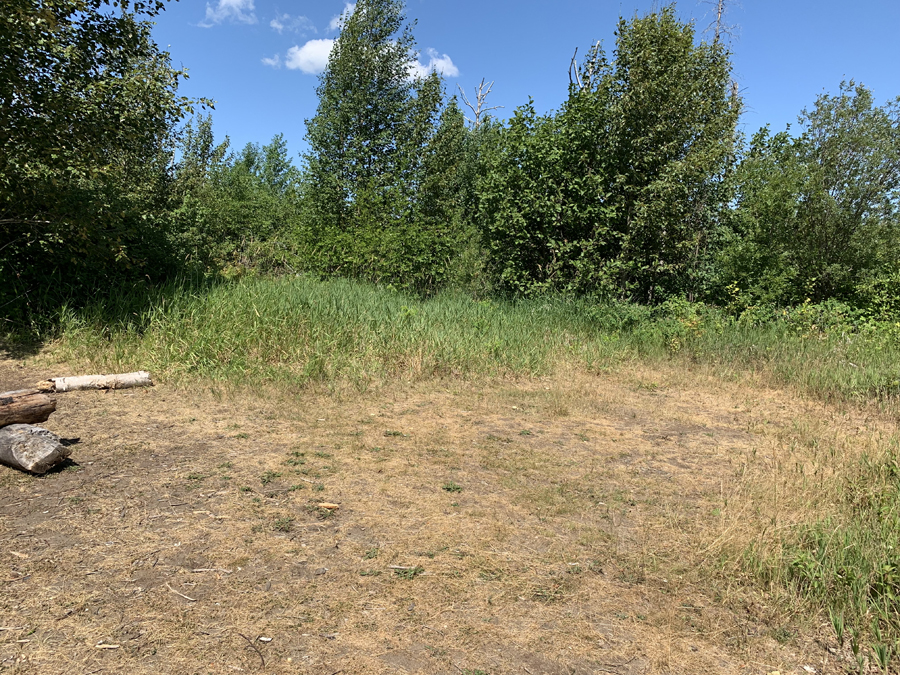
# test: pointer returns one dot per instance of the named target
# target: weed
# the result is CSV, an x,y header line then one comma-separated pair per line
x,y
245,488
370,573
372,553
195,476
294,488
283,524
450,486
268,477
409,573
225,465
318,487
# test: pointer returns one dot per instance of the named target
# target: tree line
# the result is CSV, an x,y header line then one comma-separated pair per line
x,y
639,187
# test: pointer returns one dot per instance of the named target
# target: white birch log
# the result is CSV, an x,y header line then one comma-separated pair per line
x,y
31,449
26,406
123,381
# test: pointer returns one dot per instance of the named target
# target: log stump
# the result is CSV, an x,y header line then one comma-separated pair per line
x,y
31,449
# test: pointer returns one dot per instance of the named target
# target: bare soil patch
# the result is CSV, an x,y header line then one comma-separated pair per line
x,y
557,526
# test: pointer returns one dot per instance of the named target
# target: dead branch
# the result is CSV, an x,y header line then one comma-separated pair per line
x,y
479,108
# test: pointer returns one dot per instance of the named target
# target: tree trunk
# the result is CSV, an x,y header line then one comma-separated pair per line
x,y
124,381
31,449
25,406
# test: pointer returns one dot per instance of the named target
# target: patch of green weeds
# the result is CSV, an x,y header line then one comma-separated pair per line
x,y
409,573
268,477
370,573
372,553
450,486
283,524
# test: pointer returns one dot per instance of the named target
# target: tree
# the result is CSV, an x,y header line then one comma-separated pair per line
x,y
234,212
622,190
87,103
364,169
819,214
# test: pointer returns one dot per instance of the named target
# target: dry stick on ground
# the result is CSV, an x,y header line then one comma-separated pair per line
x,y
31,449
255,648
25,406
181,594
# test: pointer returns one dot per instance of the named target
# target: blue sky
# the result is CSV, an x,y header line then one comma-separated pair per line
x,y
258,58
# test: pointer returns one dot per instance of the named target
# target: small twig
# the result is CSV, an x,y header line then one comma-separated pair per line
x,y
400,567
255,648
181,594
2,628
211,569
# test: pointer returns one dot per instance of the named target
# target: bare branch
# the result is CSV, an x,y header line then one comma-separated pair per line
x,y
718,25
573,68
23,221
479,108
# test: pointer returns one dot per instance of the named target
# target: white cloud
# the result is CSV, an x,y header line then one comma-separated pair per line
x,y
338,21
311,58
442,63
296,24
274,62
240,11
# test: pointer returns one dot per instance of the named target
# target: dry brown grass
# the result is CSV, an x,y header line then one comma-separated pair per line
x,y
587,535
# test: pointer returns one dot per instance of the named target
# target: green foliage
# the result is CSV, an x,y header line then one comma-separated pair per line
x,y
234,212
381,170
87,101
621,192
818,214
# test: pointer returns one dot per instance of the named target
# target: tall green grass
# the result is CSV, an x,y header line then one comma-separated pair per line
x,y
297,329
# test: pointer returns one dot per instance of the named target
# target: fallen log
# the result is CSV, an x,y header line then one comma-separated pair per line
x,y
25,406
123,381
31,449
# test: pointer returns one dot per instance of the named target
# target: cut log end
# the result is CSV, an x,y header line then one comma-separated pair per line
x,y
30,448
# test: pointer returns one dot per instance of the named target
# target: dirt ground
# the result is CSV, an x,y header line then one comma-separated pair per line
x,y
567,525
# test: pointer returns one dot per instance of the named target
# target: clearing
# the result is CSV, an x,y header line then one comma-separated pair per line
x,y
576,524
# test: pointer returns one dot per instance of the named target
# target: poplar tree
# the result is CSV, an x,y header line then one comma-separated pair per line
x,y
364,168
